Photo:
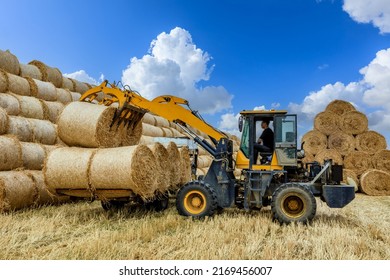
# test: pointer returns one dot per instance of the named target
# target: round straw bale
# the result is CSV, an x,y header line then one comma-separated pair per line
x,y
131,136
381,160
340,107
375,182
149,119
204,161
3,121
43,132
50,148
370,142
75,96
54,110
161,155
10,153
174,165
342,142
68,84
31,107
63,95
18,85
45,90
326,122
353,122
33,155
161,122
153,131
332,154
185,165
44,196
68,168
308,158
10,104
167,132
358,161
176,133
9,62
202,152
31,71
146,140
200,171
17,191
21,128
88,125
132,167
49,74
3,81
350,178
79,87
314,141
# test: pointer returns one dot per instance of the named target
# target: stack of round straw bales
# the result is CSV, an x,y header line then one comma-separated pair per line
x,y
32,96
341,133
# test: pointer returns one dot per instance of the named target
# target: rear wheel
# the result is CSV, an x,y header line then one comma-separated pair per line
x,y
293,203
196,199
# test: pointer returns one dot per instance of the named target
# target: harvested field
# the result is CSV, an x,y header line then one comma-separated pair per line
x,y
85,231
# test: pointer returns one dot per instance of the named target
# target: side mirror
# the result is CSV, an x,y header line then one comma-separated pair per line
x,y
240,123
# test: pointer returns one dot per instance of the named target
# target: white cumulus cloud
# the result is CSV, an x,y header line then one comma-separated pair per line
x,y
376,12
175,66
82,76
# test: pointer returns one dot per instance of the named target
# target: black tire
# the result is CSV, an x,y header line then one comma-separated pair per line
x,y
159,204
196,199
293,203
114,205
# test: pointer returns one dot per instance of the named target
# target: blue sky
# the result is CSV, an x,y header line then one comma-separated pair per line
x,y
243,54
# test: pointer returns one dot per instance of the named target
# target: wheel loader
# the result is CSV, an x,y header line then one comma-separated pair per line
x,y
278,179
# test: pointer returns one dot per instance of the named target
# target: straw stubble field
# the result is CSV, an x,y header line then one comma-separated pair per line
x,y
85,231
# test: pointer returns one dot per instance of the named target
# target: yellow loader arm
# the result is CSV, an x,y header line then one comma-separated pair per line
x,y
132,107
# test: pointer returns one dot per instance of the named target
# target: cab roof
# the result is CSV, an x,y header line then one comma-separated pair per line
x,y
263,112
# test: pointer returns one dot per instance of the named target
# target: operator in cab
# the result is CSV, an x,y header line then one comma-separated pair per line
x,y
265,143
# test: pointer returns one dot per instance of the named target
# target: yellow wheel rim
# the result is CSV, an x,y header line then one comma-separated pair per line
x,y
293,205
195,202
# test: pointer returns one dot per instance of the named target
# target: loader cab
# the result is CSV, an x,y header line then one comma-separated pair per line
x,y
284,127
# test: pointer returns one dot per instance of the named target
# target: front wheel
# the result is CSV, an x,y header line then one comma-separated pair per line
x,y
196,199
293,203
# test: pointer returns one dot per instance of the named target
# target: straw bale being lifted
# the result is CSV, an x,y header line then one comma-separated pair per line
x,y
10,104
381,160
54,110
68,168
163,176
375,182
49,74
340,107
342,142
33,155
64,96
326,122
326,154
45,90
10,153
19,85
17,191
353,122
370,142
358,161
185,165
314,141
130,168
130,136
88,125
31,107
350,178
3,121
174,165
31,71
9,62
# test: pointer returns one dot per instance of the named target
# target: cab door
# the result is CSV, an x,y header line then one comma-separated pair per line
x,y
286,139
